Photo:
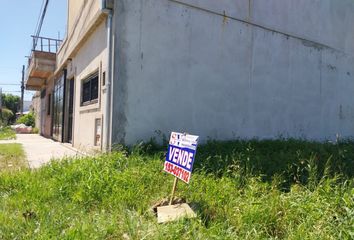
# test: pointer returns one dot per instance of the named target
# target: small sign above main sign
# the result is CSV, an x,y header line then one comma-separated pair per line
x,y
180,156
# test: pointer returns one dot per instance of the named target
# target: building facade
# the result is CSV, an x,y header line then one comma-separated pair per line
x,y
218,69
234,69
72,88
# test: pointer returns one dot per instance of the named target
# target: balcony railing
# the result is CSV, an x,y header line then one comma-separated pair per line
x,y
41,62
44,44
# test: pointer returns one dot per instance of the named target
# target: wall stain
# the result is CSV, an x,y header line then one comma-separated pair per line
x,y
311,44
305,42
331,67
250,10
224,21
341,115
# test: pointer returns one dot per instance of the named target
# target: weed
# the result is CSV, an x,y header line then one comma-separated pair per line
x,y
6,133
12,157
240,190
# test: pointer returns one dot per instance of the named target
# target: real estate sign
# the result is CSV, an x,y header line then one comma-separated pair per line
x,y
180,156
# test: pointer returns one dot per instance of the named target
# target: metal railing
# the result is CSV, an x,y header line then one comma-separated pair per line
x,y
44,44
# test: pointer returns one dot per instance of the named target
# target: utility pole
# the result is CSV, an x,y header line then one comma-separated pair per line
x,y
22,88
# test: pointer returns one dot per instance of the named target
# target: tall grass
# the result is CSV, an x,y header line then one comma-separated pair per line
x,y
12,157
240,190
6,133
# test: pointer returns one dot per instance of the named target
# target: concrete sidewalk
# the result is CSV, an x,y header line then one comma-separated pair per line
x,y
40,150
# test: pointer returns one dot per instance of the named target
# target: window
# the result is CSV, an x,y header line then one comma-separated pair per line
x,y
90,90
58,103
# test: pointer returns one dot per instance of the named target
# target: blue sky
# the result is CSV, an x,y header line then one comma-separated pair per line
x,y
18,20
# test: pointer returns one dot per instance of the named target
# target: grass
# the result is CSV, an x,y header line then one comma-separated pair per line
x,y
6,133
12,157
240,190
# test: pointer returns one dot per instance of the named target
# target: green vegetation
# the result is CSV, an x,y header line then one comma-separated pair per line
x,y
27,119
12,103
12,158
5,116
6,133
35,130
240,190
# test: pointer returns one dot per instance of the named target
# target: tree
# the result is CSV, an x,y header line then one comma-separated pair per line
x,y
28,119
12,103
5,116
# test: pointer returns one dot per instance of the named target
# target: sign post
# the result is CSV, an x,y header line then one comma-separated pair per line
x,y
173,190
179,162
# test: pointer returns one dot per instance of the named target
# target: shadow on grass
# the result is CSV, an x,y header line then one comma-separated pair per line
x,y
296,161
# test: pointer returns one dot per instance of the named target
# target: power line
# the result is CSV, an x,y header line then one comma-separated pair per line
x,y
39,27
39,17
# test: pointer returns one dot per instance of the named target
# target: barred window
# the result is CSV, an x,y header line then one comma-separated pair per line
x,y
90,89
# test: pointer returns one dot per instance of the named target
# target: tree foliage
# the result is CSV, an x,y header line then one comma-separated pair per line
x,y
5,116
12,103
28,119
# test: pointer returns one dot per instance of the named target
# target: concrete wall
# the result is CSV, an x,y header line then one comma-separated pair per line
x,y
233,69
83,18
75,8
82,53
321,21
91,57
36,108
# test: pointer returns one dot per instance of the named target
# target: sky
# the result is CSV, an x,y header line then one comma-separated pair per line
x,y
18,20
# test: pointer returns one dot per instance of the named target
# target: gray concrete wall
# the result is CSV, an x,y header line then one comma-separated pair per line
x,y
321,21
233,69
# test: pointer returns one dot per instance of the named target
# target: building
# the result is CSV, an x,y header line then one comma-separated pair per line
x,y
70,77
218,69
36,108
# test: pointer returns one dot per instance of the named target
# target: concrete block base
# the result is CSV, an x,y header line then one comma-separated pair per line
x,y
174,213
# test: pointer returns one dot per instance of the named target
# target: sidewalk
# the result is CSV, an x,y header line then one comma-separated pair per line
x,y
40,150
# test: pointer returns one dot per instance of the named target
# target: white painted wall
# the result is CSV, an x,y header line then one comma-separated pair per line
x,y
91,57
266,69
82,15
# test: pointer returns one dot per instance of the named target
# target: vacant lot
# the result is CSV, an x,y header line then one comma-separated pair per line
x,y
12,157
240,190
